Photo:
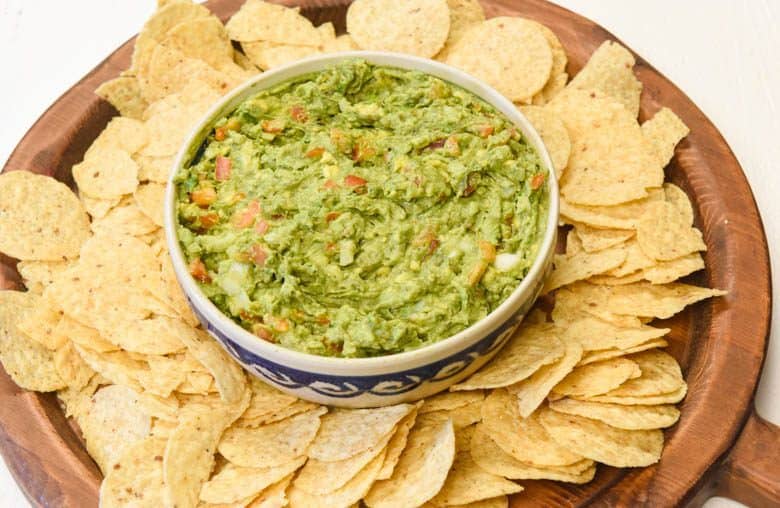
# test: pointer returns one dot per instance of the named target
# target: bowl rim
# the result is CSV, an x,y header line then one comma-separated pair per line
x,y
375,364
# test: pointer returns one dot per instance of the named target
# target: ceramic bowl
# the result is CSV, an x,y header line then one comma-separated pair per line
x,y
377,381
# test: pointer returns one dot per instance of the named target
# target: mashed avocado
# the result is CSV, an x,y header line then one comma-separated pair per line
x,y
361,211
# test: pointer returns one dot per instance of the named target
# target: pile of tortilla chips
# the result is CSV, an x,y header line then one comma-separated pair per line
x,y
172,421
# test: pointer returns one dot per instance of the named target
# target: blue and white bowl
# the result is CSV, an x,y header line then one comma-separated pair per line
x,y
384,380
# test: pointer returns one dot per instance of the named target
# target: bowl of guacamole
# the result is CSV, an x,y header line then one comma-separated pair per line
x,y
362,213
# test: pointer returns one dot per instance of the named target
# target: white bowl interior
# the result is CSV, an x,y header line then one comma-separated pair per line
x,y
379,364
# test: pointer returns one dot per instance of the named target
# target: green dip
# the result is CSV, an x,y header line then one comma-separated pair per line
x,y
361,211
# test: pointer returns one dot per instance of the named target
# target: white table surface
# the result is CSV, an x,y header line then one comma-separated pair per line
x,y
723,54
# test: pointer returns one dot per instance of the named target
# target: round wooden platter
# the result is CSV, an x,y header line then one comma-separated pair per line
x,y
720,446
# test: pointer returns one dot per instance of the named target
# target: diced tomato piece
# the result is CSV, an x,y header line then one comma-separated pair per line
x,y
198,271
203,197
274,126
298,113
488,251
433,245
315,152
331,216
262,227
330,184
279,324
222,171
485,130
264,333
220,134
258,254
323,319
330,247
209,220
469,190
354,181
436,144
247,217
537,181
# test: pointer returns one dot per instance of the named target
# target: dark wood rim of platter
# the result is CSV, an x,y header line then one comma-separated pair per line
x,y
720,446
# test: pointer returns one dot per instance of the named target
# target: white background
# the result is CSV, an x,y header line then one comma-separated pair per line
x,y
722,53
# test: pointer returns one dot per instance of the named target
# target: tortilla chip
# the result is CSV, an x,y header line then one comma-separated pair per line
x,y
639,299
137,477
266,399
234,483
610,162
228,375
150,199
170,70
124,134
569,269
594,334
606,354
273,496
558,75
271,445
71,368
40,323
510,54
418,27
463,416
531,392
319,477
621,416
447,401
596,239
622,216
529,349
463,15
422,469
268,55
158,25
351,492
553,133
598,378
522,438
40,218
644,400
490,457
603,443
262,21
297,407
114,421
189,454
669,271
124,93
468,483
29,364
36,275
663,234
396,445
126,218
610,71
677,197
154,169
660,373
664,130
339,437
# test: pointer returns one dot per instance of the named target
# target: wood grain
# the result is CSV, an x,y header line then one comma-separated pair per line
x,y
720,344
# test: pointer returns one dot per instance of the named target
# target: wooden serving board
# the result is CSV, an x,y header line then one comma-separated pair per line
x,y
719,445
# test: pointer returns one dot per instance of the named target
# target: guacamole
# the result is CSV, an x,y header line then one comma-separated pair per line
x,y
361,211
